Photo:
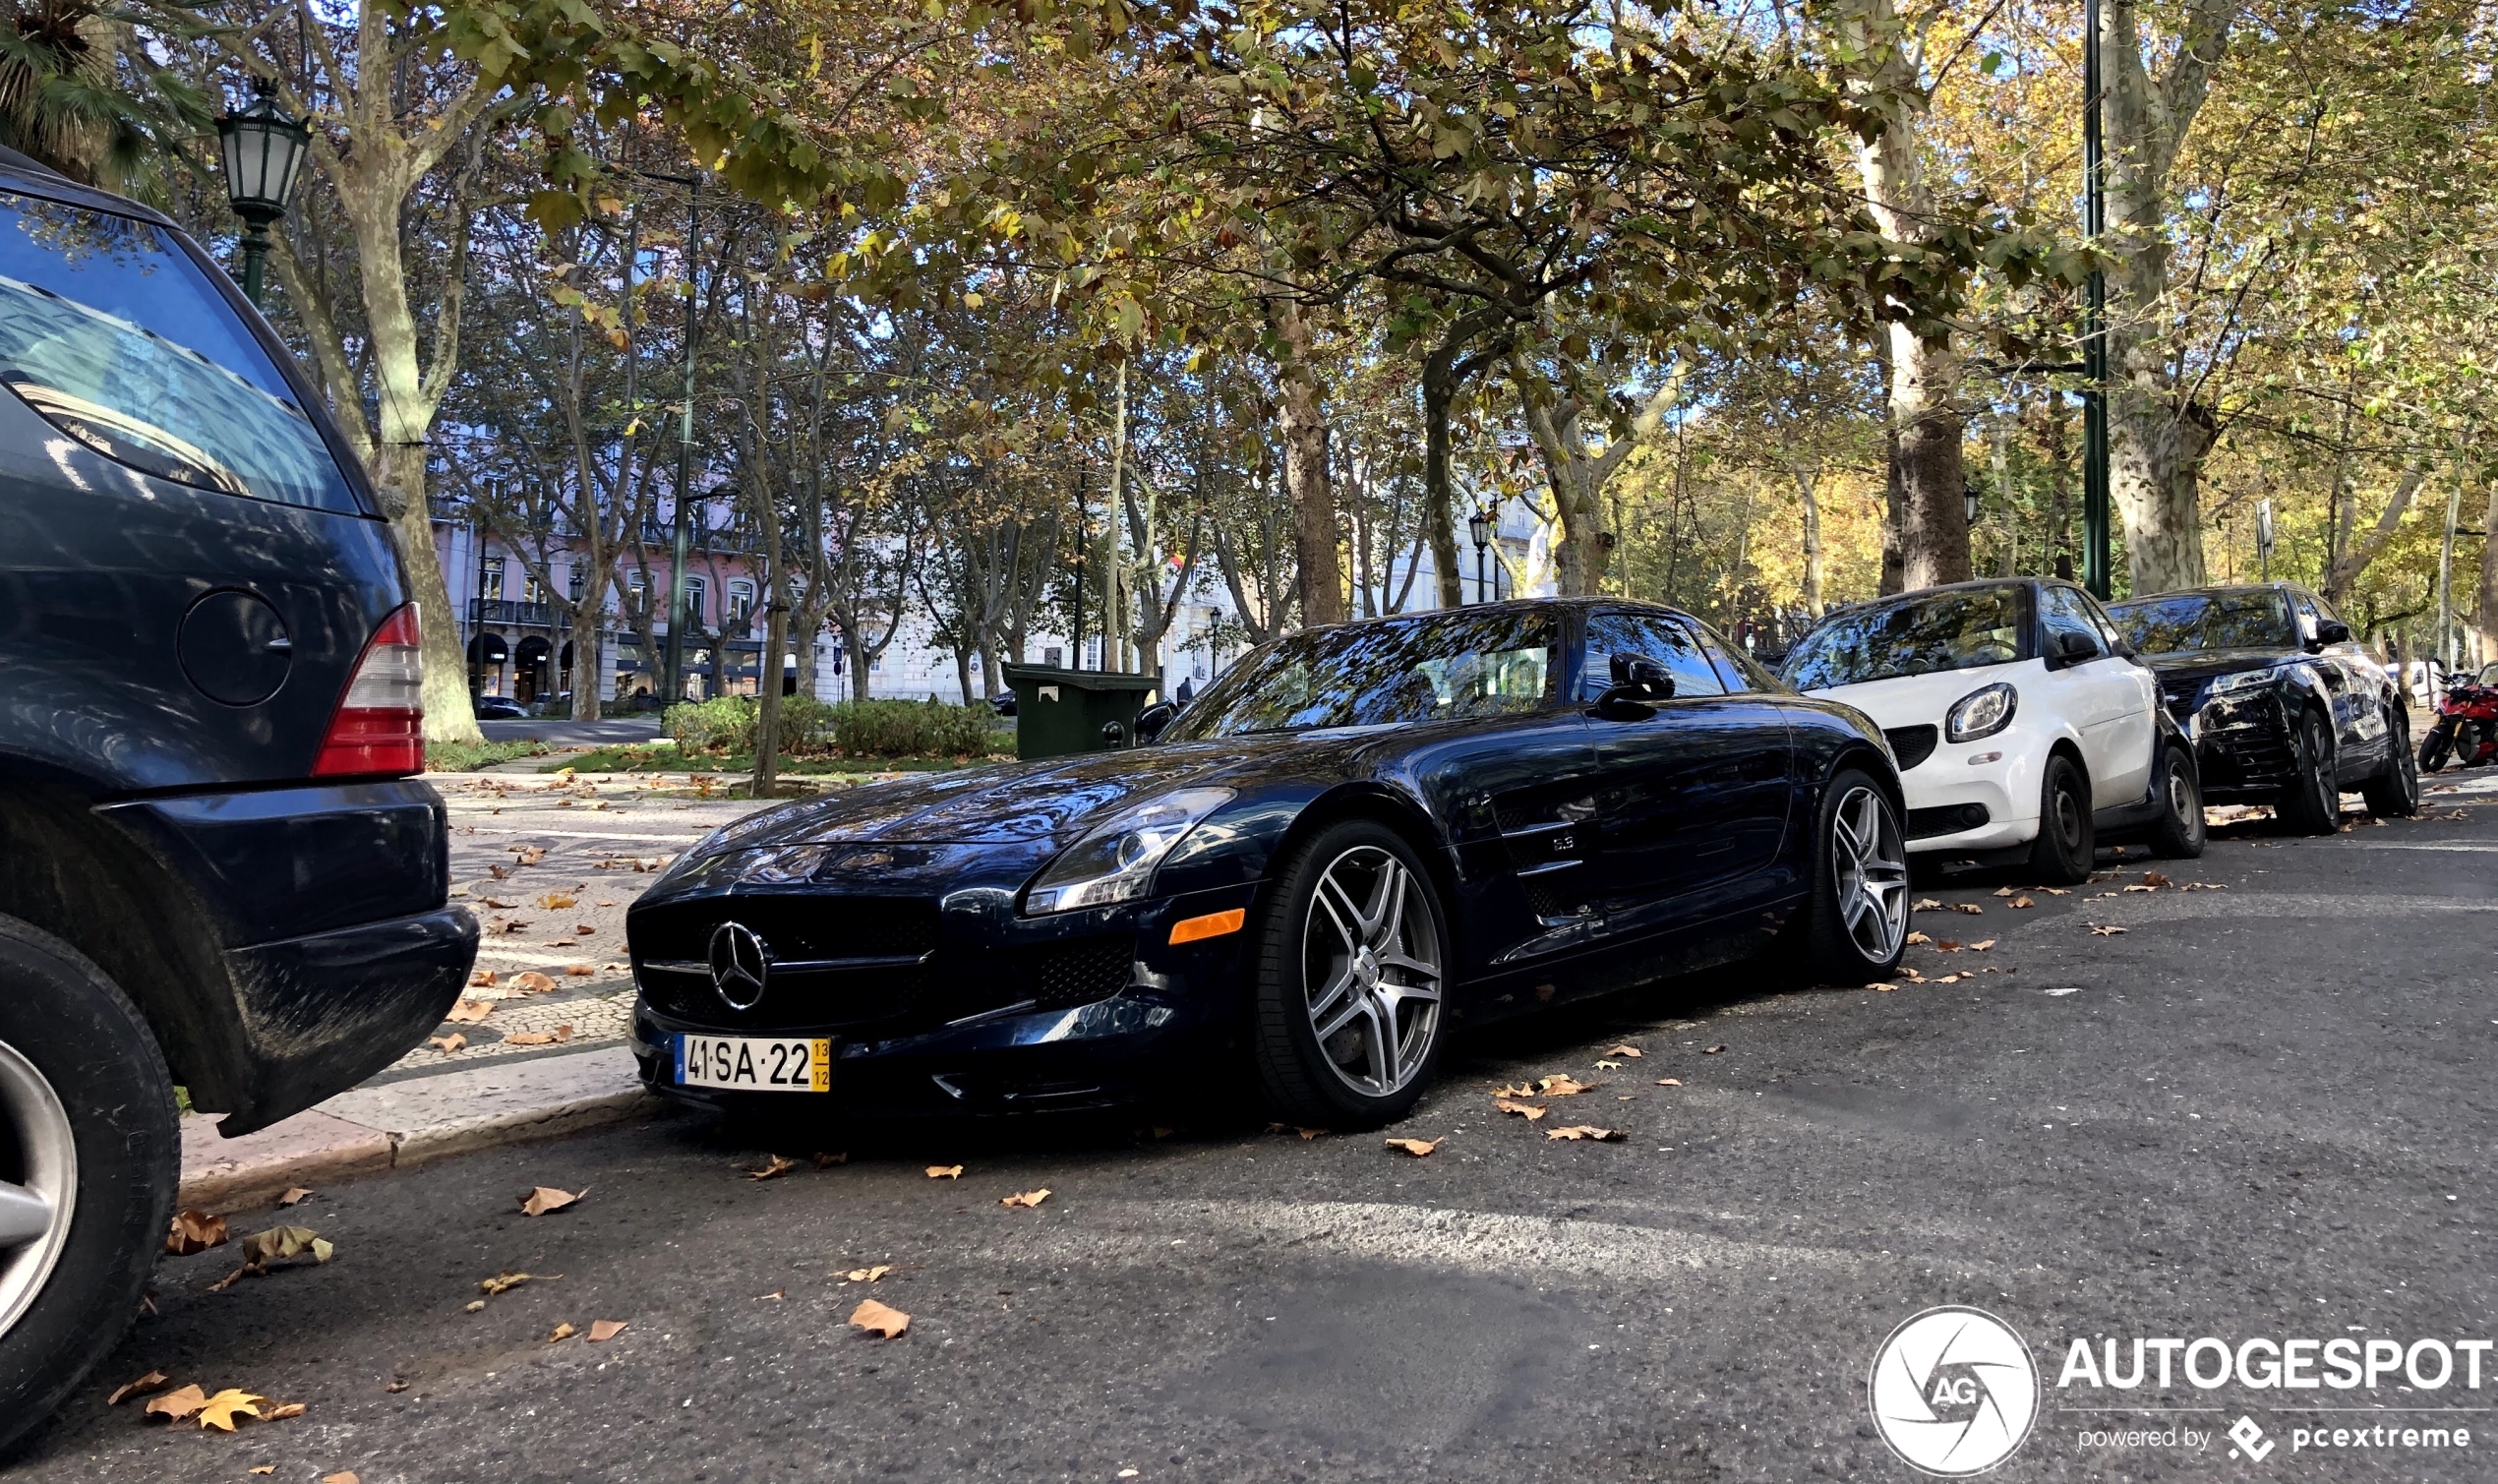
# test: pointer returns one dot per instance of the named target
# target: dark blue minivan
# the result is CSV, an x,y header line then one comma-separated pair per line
x,y
216,866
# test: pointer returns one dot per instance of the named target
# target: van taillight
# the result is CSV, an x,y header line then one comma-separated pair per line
x,y
379,730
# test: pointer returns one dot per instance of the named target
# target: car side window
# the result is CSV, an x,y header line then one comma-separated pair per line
x,y
2304,606
1733,667
2108,638
1651,636
2061,610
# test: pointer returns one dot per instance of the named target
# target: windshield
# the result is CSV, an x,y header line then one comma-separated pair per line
x,y
1916,635
2205,621
115,337
1432,667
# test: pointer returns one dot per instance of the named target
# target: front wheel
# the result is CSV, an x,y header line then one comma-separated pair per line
x,y
2067,846
1353,964
2311,802
2435,746
2394,792
90,1150
2179,836
1856,925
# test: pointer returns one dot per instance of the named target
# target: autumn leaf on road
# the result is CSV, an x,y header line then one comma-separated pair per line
x,y
780,1166
1564,1087
502,1282
1669,1082
281,1413
560,1332
195,1232
1948,945
532,982
1308,1134
1982,945
147,1382
530,855
1586,1131
343,1476
604,1329
827,1161
2024,903
1027,1199
876,1319
1527,1111
1419,1148
2105,933
946,1172
1624,1051
219,1410
545,1198
177,1405
1713,1050
578,971
2155,880
294,1193
868,1274
2057,891
1924,903
446,1044
556,901
1917,938
483,979
1882,988
1971,907
1515,1089
2003,891
470,1011
540,1038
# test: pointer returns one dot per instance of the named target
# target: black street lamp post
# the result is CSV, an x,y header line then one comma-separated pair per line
x,y
1480,527
262,148
2095,533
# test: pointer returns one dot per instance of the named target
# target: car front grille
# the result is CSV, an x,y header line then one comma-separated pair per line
x,y
1911,745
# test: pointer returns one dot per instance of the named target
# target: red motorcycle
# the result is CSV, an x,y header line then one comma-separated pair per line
x,y
2467,727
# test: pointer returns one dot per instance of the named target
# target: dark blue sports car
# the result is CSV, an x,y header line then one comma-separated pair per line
x,y
1358,839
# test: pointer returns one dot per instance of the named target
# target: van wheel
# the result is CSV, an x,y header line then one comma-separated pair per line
x,y
2179,836
2067,846
2311,801
90,1153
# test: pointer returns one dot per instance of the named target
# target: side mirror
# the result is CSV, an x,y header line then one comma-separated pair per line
x,y
1151,721
1113,734
1637,680
2074,648
2330,632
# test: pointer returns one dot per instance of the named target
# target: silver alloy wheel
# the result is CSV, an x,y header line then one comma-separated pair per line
x,y
1370,956
1869,869
35,1211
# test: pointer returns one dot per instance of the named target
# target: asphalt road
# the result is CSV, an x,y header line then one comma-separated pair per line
x,y
2259,1112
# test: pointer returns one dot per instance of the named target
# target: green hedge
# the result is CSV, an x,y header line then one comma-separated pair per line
x,y
858,728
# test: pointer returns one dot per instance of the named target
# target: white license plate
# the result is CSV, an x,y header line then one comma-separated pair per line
x,y
755,1063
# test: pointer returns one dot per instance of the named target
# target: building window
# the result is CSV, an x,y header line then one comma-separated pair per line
x,y
531,589
698,591
490,579
741,604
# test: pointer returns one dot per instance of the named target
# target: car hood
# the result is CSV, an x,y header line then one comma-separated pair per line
x,y
1046,802
2185,665
1908,700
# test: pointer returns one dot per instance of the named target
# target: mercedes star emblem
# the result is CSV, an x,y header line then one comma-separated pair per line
x,y
739,964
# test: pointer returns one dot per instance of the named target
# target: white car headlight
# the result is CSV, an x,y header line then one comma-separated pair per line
x,y
1982,712
1115,862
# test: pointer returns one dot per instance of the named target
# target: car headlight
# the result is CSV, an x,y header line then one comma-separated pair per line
x,y
2244,679
1981,713
1115,862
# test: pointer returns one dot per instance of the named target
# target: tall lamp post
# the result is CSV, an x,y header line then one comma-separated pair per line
x,y
2094,535
262,148
672,670
1480,528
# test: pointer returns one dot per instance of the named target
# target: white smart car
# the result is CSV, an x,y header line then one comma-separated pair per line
x,y
2025,730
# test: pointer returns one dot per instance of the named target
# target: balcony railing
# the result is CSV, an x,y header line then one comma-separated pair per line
x,y
505,611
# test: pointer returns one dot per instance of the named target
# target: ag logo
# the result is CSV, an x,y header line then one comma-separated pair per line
x,y
1954,1392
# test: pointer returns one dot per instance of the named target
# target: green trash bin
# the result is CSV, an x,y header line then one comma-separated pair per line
x,y
1060,712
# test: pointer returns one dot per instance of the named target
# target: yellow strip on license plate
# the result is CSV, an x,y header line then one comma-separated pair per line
x,y
755,1063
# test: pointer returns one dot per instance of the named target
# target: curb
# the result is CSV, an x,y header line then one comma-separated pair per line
x,y
371,1130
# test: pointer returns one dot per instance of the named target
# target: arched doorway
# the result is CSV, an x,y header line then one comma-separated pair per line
x,y
487,656
530,677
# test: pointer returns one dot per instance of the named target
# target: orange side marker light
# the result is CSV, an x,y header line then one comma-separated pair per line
x,y
1213,924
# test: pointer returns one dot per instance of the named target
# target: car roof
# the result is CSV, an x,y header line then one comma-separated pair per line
x,y
1507,605
2217,589
28,176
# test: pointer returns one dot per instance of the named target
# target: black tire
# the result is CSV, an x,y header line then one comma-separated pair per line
x,y
2435,746
1837,947
65,1023
2311,802
2180,833
1345,1082
2394,791
2067,845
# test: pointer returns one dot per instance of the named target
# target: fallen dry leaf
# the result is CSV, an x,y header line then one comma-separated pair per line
x,y
1586,1131
827,1161
530,855
147,1382
1711,1050
1564,1087
604,1329
1669,1082
578,971
2003,891
545,1198
1948,945
2142,888
2155,880
177,1405
343,1476
263,1248
556,901
1924,903
264,1468
2057,891
869,1275
539,1037
1515,1089
532,982
473,1306
780,1166
219,1410
1308,1134
482,978
2021,901
581,930
1526,1110
1882,988
195,1232
946,1172
1419,1148
560,1332
294,1195
1624,1051
1951,979
1971,908
1982,945
446,1044
470,1011
1027,1199
503,1282
396,1387
876,1319
2105,933
1608,1066
1915,938
281,1413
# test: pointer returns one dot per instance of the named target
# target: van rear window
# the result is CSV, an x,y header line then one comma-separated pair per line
x,y
112,333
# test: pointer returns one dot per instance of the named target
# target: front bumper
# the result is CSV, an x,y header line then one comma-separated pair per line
x,y
2242,746
1999,775
994,1024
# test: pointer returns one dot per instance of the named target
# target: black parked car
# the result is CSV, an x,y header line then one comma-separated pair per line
x,y
1357,837
2282,707
214,868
